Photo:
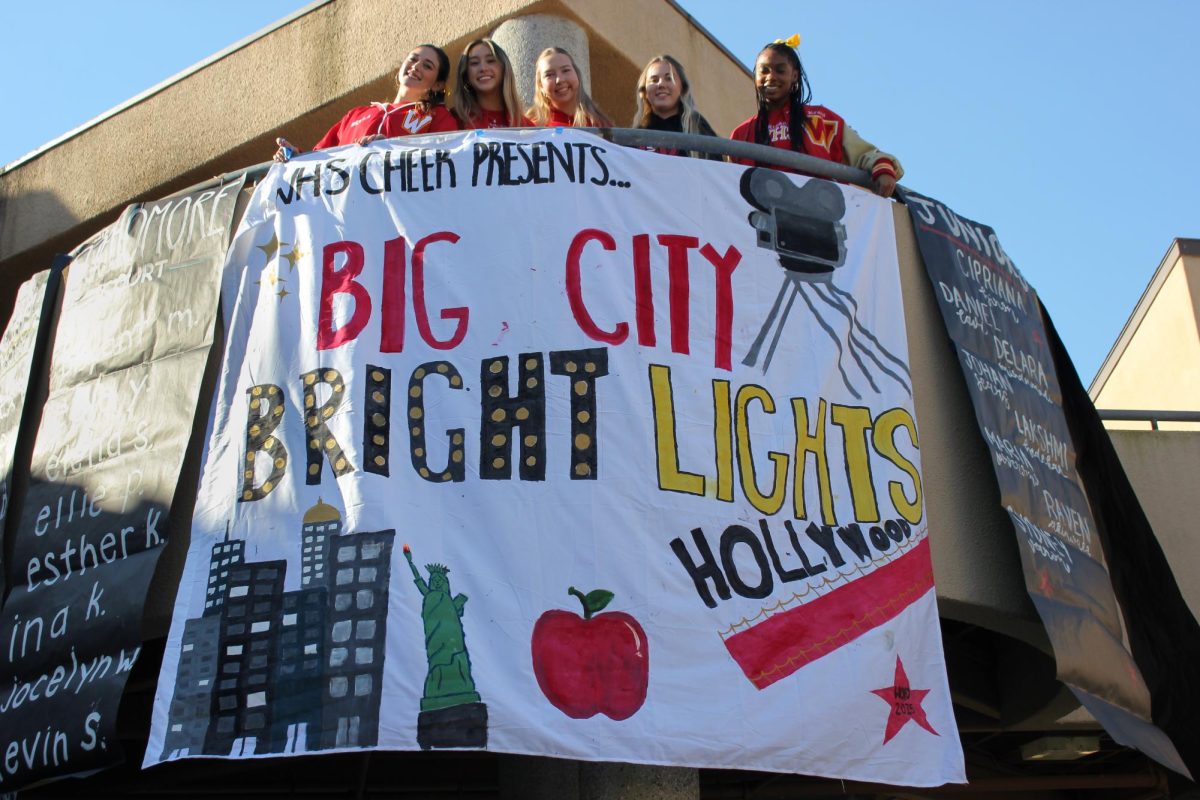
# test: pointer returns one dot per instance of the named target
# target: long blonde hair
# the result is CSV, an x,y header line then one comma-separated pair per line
x,y
689,117
587,113
690,120
466,104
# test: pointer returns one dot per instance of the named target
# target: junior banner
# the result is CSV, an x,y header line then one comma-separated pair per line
x,y
994,318
533,443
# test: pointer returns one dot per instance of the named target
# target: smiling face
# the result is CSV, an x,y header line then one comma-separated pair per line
x,y
559,82
419,73
663,89
485,73
775,75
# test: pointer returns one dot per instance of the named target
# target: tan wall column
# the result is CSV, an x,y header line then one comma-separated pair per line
x,y
523,38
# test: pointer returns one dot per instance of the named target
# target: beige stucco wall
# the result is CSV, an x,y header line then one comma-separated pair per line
x,y
1163,467
1157,366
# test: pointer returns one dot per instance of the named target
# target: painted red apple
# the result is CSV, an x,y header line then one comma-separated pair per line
x,y
594,664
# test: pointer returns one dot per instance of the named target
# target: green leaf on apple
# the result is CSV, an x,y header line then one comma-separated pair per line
x,y
593,601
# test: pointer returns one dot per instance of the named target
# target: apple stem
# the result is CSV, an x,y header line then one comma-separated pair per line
x,y
587,612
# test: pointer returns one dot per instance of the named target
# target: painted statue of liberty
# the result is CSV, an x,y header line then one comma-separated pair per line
x,y
451,712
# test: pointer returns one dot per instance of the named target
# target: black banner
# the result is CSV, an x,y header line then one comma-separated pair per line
x,y
994,319
131,343
18,349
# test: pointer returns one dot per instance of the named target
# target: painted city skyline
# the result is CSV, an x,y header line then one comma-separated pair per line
x,y
267,670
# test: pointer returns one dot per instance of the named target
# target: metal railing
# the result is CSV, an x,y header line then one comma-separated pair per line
x,y
643,138
1141,415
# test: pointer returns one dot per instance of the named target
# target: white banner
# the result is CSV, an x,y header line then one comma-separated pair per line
x,y
533,443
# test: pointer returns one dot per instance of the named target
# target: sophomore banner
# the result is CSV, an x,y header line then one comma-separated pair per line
x,y
534,443
131,343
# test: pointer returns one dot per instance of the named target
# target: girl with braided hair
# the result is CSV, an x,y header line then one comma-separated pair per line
x,y
787,119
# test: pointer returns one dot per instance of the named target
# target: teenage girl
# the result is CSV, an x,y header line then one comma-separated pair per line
x,y
486,94
787,120
559,100
664,100
419,106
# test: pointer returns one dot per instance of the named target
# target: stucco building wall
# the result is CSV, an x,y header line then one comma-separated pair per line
x,y
1155,363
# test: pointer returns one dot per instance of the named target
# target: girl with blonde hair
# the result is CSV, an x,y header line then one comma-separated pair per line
x,y
559,100
486,93
664,99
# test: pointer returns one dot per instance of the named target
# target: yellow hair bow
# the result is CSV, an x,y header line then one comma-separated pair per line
x,y
792,41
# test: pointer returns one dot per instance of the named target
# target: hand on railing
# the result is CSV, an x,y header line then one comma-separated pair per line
x,y
883,185
286,150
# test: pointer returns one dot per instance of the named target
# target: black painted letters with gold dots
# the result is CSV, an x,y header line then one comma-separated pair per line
x,y
266,410
582,367
502,415
320,440
455,465
377,408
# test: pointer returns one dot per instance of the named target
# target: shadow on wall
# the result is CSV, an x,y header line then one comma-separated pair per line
x,y
21,219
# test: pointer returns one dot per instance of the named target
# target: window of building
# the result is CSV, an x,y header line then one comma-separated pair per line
x,y
341,630
362,685
337,686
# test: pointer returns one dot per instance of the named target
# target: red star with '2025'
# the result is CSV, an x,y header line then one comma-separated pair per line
x,y
905,704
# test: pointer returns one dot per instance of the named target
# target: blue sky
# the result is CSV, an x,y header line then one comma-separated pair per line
x,y
1069,126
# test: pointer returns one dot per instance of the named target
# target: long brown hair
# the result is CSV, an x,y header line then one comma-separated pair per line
x,y
587,113
432,97
466,101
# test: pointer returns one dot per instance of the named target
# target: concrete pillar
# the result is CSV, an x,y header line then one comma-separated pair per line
x,y
524,38
536,778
